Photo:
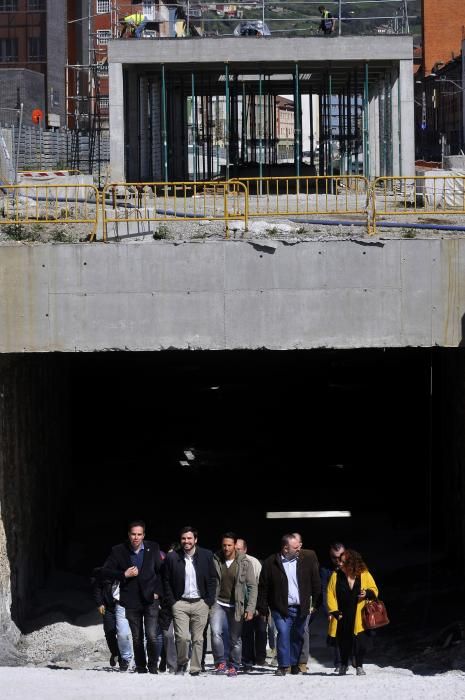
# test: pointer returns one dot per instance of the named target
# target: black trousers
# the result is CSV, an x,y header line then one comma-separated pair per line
x,y
143,621
109,628
350,645
254,641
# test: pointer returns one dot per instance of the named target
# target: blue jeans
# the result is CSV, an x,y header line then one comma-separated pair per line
x,y
290,638
221,617
123,633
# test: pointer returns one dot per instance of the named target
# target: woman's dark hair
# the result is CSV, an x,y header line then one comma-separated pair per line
x,y
353,562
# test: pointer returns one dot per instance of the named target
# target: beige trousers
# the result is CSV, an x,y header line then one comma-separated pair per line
x,y
189,621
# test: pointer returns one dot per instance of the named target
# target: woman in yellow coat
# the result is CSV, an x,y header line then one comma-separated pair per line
x,y
348,589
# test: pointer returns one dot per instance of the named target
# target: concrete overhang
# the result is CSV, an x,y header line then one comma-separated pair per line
x,y
317,57
268,51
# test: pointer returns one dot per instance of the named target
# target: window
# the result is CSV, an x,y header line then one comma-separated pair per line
x,y
8,5
103,6
8,50
102,68
36,5
36,49
103,36
104,102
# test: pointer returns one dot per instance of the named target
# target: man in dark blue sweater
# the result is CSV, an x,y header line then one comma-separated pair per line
x,y
136,564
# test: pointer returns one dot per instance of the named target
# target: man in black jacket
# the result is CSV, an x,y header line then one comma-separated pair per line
x,y
116,629
136,565
189,588
290,587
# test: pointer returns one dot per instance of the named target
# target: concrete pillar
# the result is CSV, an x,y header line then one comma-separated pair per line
x,y
407,118
116,115
373,131
395,124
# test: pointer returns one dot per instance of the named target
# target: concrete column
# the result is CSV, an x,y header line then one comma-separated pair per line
x,y
116,112
407,118
373,132
395,123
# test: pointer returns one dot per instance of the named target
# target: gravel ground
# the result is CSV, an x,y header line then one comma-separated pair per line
x,y
292,228
70,660
382,683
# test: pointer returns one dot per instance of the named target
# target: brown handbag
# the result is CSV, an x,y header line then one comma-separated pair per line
x,y
374,614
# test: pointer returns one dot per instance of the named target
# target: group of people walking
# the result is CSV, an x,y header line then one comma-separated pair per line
x,y
156,607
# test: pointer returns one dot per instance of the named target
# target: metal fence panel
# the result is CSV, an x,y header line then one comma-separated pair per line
x,y
418,196
155,202
50,204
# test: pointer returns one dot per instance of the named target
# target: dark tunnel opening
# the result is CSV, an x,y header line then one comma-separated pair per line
x,y
311,431
220,439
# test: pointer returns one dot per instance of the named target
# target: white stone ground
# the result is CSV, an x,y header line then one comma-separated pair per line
x,y
63,661
379,683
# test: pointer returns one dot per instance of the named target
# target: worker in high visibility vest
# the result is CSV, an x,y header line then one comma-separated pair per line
x,y
130,23
180,23
328,22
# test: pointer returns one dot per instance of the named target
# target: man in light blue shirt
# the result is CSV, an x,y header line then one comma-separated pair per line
x,y
290,587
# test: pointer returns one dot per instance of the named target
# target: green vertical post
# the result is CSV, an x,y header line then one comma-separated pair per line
x,y
260,129
194,128
399,123
164,132
227,118
330,125
366,141
243,127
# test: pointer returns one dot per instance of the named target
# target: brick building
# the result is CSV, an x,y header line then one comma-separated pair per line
x,y
443,29
440,83
33,36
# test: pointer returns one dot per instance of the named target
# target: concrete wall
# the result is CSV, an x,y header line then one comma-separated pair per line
x,y
232,294
57,46
23,85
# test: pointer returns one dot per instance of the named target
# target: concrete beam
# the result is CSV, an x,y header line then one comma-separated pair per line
x,y
232,294
271,50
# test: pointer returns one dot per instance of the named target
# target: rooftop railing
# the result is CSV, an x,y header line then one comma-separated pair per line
x,y
282,18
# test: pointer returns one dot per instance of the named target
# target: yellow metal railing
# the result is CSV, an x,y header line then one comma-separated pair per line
x,y
156,202
49,204
418,196
307,195
130,207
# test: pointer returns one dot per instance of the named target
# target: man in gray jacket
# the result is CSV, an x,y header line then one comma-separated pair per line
x,y
236,598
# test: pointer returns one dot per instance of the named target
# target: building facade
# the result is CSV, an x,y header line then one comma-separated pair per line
x,y
33,36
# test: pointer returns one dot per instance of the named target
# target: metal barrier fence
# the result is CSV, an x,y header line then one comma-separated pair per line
x,y
157,202
49,204
417,196
131,206
308,195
